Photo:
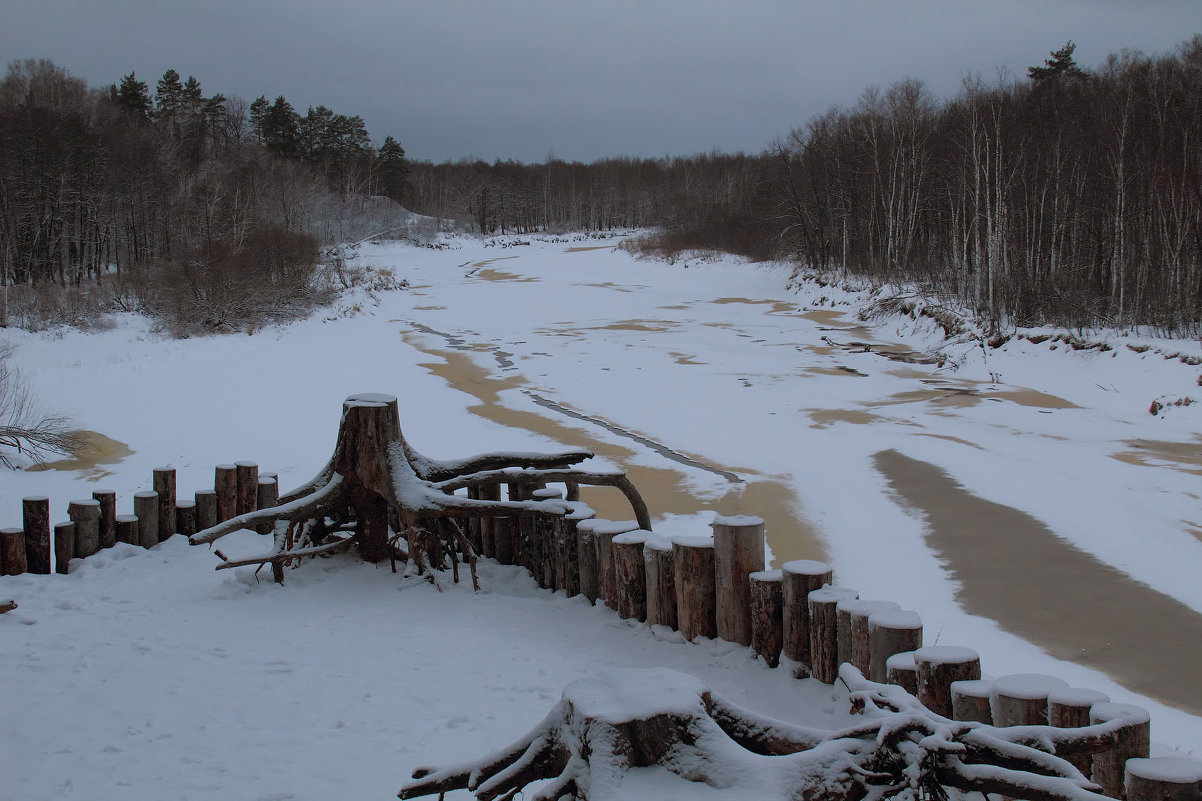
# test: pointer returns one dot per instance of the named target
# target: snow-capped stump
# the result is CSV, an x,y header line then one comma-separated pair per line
x,y
630,576
901,671
1021,699
206,508
939,666
86,514
1131,740
661,582
693,558
738,552
225,484
64,545
35,522
377,490
1164,779
108,516
12,551
767,636
146,507
163,482
605,727
891,631
603,532
824,631
970,700
799,578
1069,709
857,630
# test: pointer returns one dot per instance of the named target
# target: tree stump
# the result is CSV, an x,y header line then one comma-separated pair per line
x,y
767,602
891,631
267,495
35,521
900,670
185,517
164,485
206,509
799,578
1164,779
108,516
970,700
630,575
604,532
246,487
693,559
567,549
146,507
939,666
86,514
738,552
225,484
1021,699
13,561
857,630
547,557
1069,709
824,631
127,529
64,546
1132,740
661,582
586,556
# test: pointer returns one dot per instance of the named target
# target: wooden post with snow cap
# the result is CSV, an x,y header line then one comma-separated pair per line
x,y
546,553
567,549
13,561
901,671
798,579
738,552
693,560
661,581
267,495
127,529
891,631
824,631
108,516
859,612
185,517
1021,699
939,666
86,514
630,575
206,509
1164,779
225,484
164,485
35,521
604,532
767,602
146,507
970,700
1069,709
64,546
1131,741
246,487
586,559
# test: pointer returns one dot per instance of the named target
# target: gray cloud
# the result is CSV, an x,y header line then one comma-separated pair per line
x,y
587,79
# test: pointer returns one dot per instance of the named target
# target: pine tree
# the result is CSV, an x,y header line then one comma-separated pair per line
x,y
393,170
168,96
134,96
258,114
1061,64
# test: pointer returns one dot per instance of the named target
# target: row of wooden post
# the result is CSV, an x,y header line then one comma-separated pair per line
x,y
715,586
93,523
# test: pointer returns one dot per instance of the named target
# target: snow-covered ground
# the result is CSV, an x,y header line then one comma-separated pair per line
x,y
143,674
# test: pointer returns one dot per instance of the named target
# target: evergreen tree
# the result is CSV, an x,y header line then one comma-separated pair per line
x,y
1061,64
258,114
393,170
134,96
168,96
281,129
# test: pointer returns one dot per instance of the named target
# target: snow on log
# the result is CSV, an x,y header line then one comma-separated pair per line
x,y
86,514
891,631
901,671
1131,740
1021,699
164,484
146,507
225,484
738,552
799,578
767,636
1069,709
939,666
630,575
693,558
970,700
127,529
661,582
64,546
1164,779
108,516
206,509
824,631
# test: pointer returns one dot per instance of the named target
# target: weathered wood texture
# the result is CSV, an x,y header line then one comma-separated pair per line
x,y
767,603
225,484
738,552
64,546
488,492
504,534
586,562
630,575
857,631
164,485
1021,699
1164,779
901,671
206,509
86,514
1132,741
824,631
246,486
127,529
661,582
108,516
970,700
35,521
12,551
940,665
799,578
185,517
146,507
267,495
1069,709
891,632
693,558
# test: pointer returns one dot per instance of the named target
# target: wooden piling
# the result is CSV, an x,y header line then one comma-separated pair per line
x,y
1021,699
86,514
127,529
108,516
940,665
738,552
164,485
586,561
891,631
1131,741
206,509
1069,709
824,631
473,523
488,492
546,555
767,625
567,548
146,507
1163,779
901,671
693,560
970,700
267,495
35,522
504,536
64,546
630,575
603,533
246,487
661,581
225,484
799,578
13,561
185,517
857,614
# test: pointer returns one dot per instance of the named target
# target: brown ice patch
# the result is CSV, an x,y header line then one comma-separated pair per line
x,y
486,262
955,397
839,371
949,438
827,317
589,247
1183,456
613,286
1011,568
684,358
489,274
651,326
1034,399
825,418
95,451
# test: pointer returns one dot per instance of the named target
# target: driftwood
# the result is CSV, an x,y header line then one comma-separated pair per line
x,y
606,726
377,490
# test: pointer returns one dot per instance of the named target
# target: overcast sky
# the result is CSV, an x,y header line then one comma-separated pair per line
x,y
523,78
